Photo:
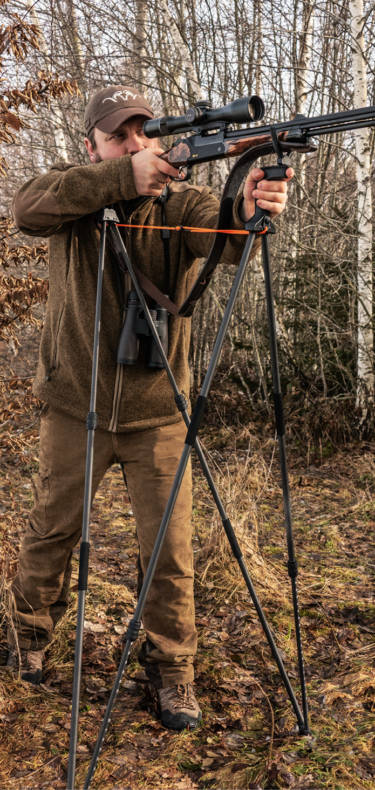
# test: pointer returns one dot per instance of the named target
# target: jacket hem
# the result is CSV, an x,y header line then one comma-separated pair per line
x,y
104,422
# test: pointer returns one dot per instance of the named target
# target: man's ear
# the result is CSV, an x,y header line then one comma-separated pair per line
x,y
93,156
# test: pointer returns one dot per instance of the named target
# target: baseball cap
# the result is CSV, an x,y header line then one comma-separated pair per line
x,y
110,107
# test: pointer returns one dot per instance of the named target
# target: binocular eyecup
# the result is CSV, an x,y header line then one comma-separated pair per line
x,y
136,327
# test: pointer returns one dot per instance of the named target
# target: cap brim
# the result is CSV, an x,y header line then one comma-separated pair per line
x,y
111,122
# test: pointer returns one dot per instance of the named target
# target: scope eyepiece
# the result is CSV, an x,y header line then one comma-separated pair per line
x,y
249,108
168,124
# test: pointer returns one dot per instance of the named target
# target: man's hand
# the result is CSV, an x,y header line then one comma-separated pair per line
x,y
270,195
150,172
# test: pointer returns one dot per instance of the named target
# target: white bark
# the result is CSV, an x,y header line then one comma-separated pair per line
x,y
58,121
140,38
365,374
303,66
304,55
302,62
192,87
79,70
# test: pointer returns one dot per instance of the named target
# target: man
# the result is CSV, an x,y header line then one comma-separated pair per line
x,y
138,421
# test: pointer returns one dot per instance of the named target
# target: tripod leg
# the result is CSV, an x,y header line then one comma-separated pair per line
x,y
280,427
190,441
85,544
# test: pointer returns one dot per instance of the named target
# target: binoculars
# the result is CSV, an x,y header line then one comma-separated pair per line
x,y
136,327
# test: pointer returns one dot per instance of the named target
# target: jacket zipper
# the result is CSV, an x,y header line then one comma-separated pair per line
x,y
53,363
119,379
116,398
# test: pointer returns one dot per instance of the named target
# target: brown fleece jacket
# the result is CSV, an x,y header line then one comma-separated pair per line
x,y
61,205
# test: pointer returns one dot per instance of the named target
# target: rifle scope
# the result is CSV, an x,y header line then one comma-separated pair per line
x,y
249,108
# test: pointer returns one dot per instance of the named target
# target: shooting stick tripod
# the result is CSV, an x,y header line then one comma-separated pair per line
x,y
259,224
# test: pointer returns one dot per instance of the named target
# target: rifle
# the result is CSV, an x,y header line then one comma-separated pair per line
x,y
206,145
212,138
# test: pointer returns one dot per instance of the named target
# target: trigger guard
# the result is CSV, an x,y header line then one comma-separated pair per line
x,y
184,174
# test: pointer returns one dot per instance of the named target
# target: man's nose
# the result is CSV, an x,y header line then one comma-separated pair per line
x,y
134,144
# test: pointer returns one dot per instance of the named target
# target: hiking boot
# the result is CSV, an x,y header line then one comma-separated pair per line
x,y
31,668
179,709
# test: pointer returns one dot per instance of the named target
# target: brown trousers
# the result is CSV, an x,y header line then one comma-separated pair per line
x,y
150,460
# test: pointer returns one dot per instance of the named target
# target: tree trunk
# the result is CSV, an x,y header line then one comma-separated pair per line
x,y
140,56
59,121
365,340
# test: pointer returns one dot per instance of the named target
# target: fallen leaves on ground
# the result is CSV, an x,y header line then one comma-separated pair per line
x,y
248,737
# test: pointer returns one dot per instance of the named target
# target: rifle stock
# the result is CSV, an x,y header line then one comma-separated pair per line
x,y
184,153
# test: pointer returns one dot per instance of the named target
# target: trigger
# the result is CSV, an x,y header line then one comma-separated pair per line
x,y
184,173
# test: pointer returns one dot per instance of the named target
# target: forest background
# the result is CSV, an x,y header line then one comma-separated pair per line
x,y
300,57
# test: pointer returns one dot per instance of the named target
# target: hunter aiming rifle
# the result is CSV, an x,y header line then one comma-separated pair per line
x,y
210,138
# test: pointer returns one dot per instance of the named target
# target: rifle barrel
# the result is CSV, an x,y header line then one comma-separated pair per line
x,y
318,124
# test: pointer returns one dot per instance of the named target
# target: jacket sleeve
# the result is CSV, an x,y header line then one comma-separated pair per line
x,y
204,213
45,203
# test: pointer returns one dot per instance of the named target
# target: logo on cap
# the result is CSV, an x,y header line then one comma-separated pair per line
x,y
118,95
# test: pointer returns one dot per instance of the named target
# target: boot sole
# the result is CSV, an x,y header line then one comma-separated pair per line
x,y
179,721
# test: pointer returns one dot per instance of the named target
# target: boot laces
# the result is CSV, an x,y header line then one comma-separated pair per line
x,y
183,693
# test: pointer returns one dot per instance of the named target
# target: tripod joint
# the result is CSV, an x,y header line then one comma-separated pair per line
x,y
109,215
260,223
132,631
181,402
292,569
91,421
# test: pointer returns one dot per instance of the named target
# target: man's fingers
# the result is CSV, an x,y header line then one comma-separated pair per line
x,y
273,202
267,194
167,169
271,206
256,174
151,172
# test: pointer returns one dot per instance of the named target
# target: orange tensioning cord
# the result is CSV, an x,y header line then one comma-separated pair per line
x,y
191,229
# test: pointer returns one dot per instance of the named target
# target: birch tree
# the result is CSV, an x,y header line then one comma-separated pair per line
x,y
58,126
365,340
192,87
